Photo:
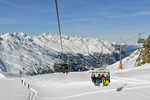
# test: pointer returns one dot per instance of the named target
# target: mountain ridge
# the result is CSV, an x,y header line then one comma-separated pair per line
x,y
31,55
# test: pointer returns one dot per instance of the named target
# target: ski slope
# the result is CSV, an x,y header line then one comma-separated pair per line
x,y
125,84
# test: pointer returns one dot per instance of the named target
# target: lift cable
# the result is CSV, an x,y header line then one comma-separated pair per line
x,y
133,49
59,27
129,39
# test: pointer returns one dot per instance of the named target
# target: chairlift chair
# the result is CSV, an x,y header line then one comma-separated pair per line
x,y
141,40
123,52
101,72
62,67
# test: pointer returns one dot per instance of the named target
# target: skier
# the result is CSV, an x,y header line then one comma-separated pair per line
x,y
99,81
103,79
83,69
107,80
93,77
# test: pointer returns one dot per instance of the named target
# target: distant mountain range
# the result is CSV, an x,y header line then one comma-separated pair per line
x,y
31,55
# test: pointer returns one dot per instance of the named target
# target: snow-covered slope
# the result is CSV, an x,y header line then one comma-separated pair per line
x,y
127,62
23,54
19,54
125,85
2,76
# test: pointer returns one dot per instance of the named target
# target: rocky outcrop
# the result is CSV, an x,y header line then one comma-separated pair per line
x,y
144,56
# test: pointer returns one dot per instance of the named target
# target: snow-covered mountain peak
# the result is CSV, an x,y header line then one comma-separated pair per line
x,y
21,53
14,34
75,44
16,37
1,34
20,34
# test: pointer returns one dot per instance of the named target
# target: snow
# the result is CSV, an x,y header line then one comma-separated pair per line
x,y
127,62
23,54
127,84
78,86
2,76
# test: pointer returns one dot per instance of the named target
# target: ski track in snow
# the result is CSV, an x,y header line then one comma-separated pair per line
x,y
32,94
23,95
44,85
131,80
93,92
128,80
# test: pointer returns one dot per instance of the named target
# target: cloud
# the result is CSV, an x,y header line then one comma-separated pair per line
x,y
6,2
144,13
4,21
79,20
128,15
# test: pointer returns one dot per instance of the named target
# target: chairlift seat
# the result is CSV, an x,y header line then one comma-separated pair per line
x,y
141,40
62,67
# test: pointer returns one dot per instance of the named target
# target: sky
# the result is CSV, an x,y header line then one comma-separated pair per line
x,y
104,19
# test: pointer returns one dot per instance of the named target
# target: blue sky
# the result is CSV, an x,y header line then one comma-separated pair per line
x,y
104,19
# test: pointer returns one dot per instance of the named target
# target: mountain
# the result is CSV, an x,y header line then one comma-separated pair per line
x,y
127,84
144,56
31,55
19,54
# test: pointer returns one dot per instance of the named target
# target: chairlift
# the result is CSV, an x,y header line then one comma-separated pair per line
x,y
102,73
141,40
96,72
123,52
63,64
62,67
